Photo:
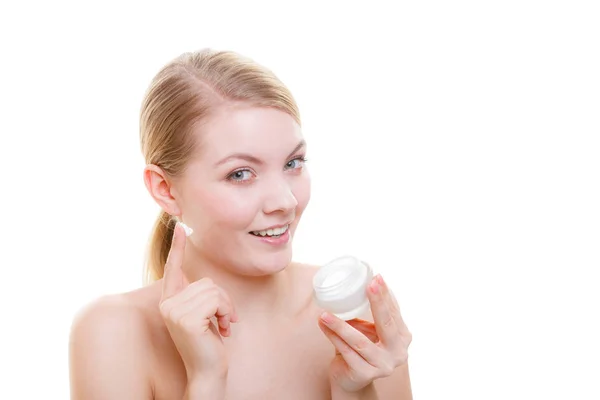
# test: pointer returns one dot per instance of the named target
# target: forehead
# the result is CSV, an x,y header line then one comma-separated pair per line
x,y
257,130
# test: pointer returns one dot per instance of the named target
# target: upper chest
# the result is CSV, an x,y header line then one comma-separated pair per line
x,y
290,363
283,361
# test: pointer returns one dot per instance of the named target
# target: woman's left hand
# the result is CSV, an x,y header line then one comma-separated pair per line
x,y
367,351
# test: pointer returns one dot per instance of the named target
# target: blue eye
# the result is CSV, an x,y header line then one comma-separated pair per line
x,y
240,175
296,163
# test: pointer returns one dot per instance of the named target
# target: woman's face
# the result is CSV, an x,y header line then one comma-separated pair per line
x,y
245,190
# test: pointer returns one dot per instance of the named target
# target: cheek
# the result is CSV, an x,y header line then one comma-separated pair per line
x,y
301,192
229,208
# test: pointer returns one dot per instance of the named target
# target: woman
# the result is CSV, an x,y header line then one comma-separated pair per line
x,y
227,314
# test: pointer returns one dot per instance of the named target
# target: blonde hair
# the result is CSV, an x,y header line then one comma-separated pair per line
x,y
183,95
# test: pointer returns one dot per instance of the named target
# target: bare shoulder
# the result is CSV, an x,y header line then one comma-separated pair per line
x,y
117,314
108,346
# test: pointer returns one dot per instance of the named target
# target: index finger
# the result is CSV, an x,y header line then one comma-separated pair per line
x,y
174,280
383,315
394,306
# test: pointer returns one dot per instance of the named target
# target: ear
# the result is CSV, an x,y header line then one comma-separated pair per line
x,y
159,188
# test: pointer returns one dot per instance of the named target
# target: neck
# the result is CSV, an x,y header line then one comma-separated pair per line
x,y
259,297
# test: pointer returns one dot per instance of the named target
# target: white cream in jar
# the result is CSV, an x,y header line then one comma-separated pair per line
x,y
340,287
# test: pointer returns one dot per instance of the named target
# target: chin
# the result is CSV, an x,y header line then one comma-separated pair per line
x,y
268,264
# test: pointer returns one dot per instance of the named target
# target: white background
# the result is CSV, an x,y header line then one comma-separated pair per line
x,y
452,144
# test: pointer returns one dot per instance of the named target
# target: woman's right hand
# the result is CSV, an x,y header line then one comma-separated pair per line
x,y
187,309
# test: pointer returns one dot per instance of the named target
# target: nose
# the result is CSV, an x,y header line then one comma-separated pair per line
x,y
280,198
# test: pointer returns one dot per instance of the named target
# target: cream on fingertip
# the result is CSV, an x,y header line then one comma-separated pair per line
x,y
187,229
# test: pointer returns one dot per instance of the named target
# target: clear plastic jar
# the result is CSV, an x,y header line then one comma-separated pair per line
x,y
340,287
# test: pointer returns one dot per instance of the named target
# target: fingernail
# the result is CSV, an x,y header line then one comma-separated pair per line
x,y
375,286
380,279
327,318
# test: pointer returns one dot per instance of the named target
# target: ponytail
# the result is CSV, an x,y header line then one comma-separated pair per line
x,y
159,246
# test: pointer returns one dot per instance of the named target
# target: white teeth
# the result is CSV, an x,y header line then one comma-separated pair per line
x,y
271,232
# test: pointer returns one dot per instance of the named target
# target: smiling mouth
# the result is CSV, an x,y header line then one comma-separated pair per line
x,y
275,233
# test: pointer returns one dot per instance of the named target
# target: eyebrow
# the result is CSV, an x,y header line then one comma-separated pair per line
x,y
252,159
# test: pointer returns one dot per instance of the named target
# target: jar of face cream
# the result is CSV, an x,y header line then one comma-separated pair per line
x,y
340,287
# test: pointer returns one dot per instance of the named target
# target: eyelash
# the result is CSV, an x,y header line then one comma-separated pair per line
x,y
302,159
